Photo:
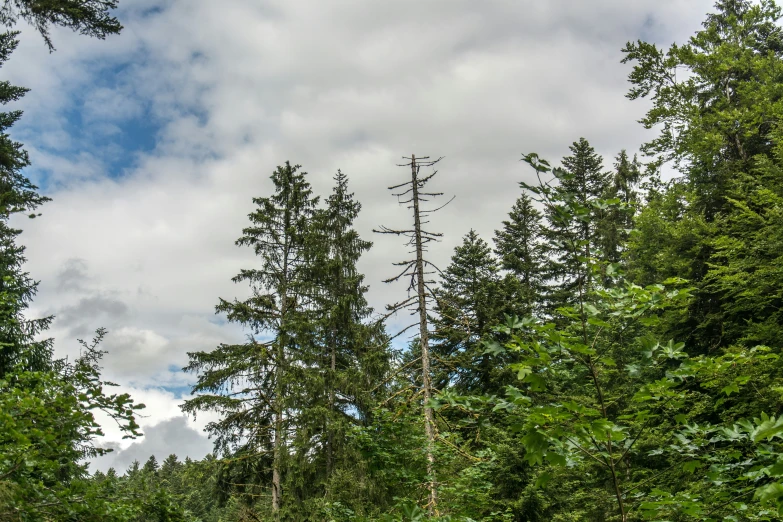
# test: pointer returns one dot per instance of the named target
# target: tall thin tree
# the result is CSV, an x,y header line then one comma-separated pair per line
x,y
417,270
253,385
18,343
349,341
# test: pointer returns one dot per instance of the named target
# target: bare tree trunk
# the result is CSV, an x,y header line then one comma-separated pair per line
x,y
410,193
429,421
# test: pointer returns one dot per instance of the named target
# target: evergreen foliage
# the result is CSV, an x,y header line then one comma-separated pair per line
x,y
20,342
259,388
87,17
616,219
521,253
616,357
573,237
468,302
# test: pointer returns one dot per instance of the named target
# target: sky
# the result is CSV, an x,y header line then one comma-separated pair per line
x,y
152,143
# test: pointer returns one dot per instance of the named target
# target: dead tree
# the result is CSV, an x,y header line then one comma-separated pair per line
x,y
418,270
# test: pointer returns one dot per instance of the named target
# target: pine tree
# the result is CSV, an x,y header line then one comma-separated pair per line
x,y
468,303
18,343
257,386
521,253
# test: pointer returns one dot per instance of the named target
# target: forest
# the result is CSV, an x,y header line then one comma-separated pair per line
x,y
612,353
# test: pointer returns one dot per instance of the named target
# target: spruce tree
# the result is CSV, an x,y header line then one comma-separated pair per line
x,y
353,350
520,250
151,467
20,342
572,234
87,17
257,386
616,222
468,302
18,335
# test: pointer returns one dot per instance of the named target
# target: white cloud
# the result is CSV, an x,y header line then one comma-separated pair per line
x,y
233,89
172,436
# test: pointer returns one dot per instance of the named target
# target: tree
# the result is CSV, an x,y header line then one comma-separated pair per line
x,y
715,118
353,358
616,222
745,267
521,253
718,126
573,237
88,17
255,385
151,466
19,343
467,303
419,270
48,430
20,337
602,400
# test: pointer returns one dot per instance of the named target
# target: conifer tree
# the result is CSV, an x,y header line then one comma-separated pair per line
x,y
615,222
257,386
468,302
87,17
573,237
521,253
18,343
19,336
352,357
419,272
151,466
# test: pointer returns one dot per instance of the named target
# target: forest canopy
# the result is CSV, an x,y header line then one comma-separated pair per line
x,y
611,353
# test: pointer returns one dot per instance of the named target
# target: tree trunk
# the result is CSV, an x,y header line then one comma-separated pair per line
x,y
278,447
429,421
277,456
330,421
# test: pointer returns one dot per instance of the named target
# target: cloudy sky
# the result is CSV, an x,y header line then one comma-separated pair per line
x,y
152,144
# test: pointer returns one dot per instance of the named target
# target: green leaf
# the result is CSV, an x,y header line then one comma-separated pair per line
x,y
598,322
493,348
537,383
556,459
542,480
769,493
768,428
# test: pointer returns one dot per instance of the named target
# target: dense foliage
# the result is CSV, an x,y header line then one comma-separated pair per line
x,y
612,355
